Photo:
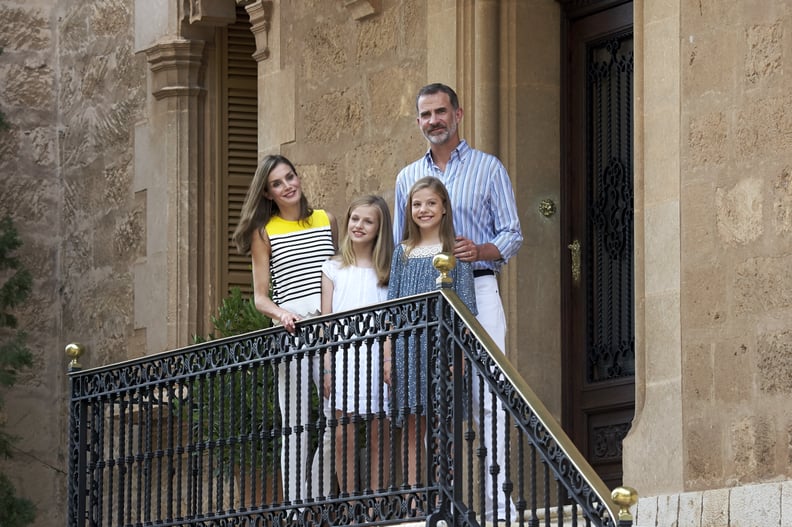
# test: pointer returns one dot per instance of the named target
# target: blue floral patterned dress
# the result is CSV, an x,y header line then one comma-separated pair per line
x,y
412,275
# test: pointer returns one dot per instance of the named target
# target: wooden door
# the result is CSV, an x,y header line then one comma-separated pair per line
x,y
598,339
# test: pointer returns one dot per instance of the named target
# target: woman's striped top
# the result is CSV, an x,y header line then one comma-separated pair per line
x,y
298,249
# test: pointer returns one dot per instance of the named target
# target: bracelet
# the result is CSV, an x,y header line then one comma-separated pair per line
x,y
386,360
326,372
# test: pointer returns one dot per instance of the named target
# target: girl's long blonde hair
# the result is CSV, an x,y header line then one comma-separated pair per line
x,y
412,233
257,210
383,243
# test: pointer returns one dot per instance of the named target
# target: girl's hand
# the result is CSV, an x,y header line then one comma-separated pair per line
x,y
327,383
288,320
386,371
327,377
387,363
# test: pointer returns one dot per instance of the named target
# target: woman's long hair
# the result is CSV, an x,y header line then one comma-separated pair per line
x,y
383,243
257,209
412,233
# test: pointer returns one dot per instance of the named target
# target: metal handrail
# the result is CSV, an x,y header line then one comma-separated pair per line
x,y
540,411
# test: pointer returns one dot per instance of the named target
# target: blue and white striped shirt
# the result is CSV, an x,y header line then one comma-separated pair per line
x,y
482,200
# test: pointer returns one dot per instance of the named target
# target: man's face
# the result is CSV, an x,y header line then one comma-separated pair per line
x,y
437,119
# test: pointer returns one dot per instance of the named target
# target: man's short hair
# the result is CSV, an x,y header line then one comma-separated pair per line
x,y
431,89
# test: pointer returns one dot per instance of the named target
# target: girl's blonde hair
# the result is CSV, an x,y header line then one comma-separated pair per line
x,y
383,243
257,210
412,234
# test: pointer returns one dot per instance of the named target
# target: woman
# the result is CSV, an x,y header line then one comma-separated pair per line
x,y
288,241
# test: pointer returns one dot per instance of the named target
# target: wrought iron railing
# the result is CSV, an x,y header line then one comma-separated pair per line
x,y
197,436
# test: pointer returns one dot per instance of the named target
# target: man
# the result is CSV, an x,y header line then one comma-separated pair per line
x,y
488,234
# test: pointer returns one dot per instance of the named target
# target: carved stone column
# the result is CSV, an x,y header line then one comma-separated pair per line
x,y
172,208
483,82
484,94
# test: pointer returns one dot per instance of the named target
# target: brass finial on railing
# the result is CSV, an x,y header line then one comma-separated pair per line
x,y
444,262
624,497
74,351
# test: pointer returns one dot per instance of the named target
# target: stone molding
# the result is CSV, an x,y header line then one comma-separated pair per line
x,y
175,129
175,68
362,8
211,12
577,8
260,12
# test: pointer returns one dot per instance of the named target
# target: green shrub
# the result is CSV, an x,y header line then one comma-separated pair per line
x,y
235,315
14,357
233,404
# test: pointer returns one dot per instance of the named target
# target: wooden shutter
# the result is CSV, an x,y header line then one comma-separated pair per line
x,y
240,119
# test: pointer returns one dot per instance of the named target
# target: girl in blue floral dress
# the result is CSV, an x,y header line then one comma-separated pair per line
x,y
428,230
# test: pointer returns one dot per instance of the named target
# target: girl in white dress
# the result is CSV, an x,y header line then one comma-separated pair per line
x,y
357,277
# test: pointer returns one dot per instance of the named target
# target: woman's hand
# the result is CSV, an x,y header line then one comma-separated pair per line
x,y
288,320
386,371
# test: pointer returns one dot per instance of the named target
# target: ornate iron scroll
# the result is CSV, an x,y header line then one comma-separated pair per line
x,y
609,266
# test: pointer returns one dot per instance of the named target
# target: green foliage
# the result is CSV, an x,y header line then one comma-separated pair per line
x,y
14,356
236,315
232,405
3,123
14,512
16,288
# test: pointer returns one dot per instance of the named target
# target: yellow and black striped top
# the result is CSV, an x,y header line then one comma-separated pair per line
x,y
298,249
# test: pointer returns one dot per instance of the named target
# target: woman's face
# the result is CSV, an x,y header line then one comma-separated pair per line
x,y
283,186
427,208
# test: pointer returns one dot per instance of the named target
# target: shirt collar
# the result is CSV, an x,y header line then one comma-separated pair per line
x,y
460,151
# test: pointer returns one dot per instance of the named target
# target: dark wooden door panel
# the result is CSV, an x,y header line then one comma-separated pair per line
x,y
597,233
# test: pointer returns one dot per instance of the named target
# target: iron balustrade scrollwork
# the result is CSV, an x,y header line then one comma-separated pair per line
x,y
195,436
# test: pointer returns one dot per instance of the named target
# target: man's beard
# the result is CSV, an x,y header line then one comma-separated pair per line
x,y
442,138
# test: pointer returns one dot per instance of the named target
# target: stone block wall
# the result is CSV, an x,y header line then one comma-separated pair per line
x,y
714,306
354,81
70,89
30,192
768,505
736,214
73,87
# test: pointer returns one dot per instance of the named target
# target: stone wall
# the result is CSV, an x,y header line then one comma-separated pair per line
x,y
736,214
768,504
710,442
70,88
72,85
353,82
